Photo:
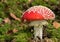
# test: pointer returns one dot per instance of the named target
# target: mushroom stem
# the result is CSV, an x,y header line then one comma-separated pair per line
x,y
38,28
38,31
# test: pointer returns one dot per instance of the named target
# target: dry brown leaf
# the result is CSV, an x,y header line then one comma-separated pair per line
x,y
14,17
56,24
7,20
15,30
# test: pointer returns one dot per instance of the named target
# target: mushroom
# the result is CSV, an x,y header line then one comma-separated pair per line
x,y
37,16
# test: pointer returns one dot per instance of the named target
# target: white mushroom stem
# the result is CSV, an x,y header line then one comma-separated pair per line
x,y
38,28
38,31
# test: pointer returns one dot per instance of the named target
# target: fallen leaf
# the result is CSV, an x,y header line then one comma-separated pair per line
x,y
7,20
56,24
14,17
15,30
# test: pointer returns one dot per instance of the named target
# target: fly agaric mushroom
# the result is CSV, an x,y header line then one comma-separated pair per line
x,y
37,16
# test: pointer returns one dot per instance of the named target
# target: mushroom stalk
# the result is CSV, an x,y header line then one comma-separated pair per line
x,y
38,31
38,28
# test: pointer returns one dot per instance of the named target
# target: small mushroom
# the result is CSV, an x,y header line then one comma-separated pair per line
x,y
38,16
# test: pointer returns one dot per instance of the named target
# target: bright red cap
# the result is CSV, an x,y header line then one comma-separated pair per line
x,y
38,13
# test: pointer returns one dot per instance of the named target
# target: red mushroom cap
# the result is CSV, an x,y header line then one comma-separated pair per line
x,y
38,13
